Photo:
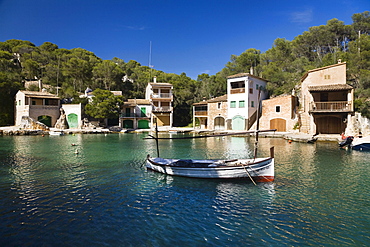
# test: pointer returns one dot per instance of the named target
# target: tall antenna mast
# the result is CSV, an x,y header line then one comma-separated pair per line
x,y
150,60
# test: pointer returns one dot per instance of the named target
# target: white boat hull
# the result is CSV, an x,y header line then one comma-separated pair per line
x,y
56,133
260,169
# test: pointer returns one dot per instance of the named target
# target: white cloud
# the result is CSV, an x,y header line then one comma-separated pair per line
x,y
207,71
136,28
305,16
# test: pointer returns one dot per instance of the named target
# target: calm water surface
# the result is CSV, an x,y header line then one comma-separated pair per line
x,y
50,196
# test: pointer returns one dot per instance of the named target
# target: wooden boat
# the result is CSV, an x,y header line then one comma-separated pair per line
x,y
258,169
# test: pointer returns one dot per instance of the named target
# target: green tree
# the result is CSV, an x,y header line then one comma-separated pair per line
x,y
9,85
104,105
107,73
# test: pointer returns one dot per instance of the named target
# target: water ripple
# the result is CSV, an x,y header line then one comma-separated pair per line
x,y
104,196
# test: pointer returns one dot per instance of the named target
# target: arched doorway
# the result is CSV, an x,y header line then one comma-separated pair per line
x,y
128,124
143,124
219,123
45,120
279,124
72,119
238,123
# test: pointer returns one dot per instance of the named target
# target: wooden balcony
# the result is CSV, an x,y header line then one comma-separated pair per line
x,y
133,115
161,96
333,106
163,109
200,113
237,90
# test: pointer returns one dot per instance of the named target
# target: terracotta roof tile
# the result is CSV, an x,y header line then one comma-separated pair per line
x,y
222,98
39,94
243,75
333,87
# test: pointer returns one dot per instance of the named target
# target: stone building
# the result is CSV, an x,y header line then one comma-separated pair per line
x,y
212,114
40,106
326,100
279,113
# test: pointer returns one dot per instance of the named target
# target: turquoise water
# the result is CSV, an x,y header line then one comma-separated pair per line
x,y
50,196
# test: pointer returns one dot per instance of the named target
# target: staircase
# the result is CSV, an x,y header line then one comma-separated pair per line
x,y
304,122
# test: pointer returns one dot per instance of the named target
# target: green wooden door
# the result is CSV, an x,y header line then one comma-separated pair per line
x,y
238,123
72,120
128,124
143,124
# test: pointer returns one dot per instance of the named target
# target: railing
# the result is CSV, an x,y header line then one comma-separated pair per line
x,y
161,95
333,106
132,115
237,90
163,109
44,107
201,113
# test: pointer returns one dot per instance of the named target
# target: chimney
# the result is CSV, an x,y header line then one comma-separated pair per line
x,y
155,79
40,85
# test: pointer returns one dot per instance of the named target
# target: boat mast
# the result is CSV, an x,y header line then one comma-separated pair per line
x,y
258,122
156,136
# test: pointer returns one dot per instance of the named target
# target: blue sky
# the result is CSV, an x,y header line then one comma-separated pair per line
x,y
188,36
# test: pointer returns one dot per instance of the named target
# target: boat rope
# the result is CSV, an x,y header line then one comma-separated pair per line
x,y
249,175
147,157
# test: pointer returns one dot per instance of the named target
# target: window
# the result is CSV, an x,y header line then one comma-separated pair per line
x,y
33,102
277,108
201,108
233,104
327,77
251,90
256,86
252,103
241,104
237,84
219,105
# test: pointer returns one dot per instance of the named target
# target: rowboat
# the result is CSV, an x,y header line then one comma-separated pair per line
x,y
258,169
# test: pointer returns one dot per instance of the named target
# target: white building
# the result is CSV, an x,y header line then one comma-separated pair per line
x,y
242,99
74,115
161,96
136,114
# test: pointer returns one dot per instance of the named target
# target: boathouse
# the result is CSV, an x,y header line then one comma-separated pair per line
x,y
40,106
211,114
242,100
279,113
326,100
160,95
136,114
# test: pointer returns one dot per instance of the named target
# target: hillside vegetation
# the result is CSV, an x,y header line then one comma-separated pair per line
x,y
283,66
